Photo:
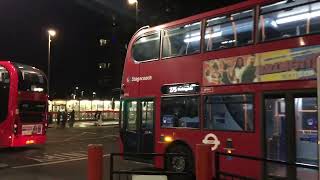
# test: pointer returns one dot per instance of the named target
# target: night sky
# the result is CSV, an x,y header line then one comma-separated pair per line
x,y
80,25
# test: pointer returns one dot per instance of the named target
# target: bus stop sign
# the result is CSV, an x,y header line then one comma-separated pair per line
x,y
211,139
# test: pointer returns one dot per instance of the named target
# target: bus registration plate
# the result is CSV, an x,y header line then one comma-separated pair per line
x,y
31,129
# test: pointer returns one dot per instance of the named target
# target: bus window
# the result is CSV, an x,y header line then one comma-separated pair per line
x,y
180,112
4,93
147,114
122,114
229,31
132,116
229,112
287,19
306,115
31,79
147,48
182,40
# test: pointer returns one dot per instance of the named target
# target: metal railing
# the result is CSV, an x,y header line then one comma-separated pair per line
x,y
219,174
154,171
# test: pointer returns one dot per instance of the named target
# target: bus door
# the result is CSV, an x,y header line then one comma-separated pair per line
x,y
291,134
138,126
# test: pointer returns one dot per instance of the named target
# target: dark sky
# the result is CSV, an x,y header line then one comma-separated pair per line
x,y
80,24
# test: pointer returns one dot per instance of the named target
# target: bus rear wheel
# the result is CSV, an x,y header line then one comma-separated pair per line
x,y
178,163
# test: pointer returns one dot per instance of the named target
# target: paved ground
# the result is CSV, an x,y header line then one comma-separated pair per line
x,y
64,157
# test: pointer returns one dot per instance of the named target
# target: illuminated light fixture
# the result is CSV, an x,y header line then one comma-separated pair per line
x,y
188,25
132,1
197,38
275,4
192,35
10,137
20,67
274,24
30,142
227,42
52,32
168,139
229,151
216,34
188,40
298,17
38,89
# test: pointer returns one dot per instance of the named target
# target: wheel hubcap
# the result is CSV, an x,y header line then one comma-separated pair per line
x,y
178,163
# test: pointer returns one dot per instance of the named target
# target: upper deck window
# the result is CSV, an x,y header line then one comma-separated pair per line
x,y
147,48
229,30
288,19
4,92
31,79
182,40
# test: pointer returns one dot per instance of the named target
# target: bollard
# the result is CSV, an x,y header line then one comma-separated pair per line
x,y
95,162
204,162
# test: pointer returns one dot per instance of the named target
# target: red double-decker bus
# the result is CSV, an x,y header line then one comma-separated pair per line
x,y
23,105
244,76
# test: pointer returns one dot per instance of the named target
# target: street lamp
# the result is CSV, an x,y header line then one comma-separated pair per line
x,y
51,33
131,2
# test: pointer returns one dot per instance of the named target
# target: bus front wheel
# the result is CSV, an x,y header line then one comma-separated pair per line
x,y
178,163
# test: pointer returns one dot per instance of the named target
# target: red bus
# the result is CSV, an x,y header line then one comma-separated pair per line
x,y
23,105
244,75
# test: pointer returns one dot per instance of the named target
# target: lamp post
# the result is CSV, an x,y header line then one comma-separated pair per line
x,y
131,2
51,33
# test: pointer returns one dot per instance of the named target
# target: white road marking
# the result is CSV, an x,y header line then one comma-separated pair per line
x,y
84,139
54,162
72,137
89,133
74,154
57,156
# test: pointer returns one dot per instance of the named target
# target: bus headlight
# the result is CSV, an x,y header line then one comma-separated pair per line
x,y
166,139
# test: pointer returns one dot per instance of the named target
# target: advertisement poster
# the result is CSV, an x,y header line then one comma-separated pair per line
x,y
288,64
233,70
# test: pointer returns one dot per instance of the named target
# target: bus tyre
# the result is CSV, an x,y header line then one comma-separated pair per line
x,y
180,163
